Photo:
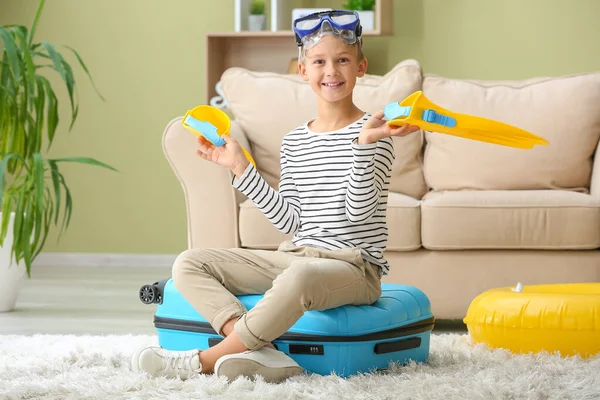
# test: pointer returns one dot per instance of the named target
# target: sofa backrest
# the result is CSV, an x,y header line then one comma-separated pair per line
x,y
564,110
268,105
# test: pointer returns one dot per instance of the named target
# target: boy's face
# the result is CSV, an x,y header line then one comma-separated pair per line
x,y
331,67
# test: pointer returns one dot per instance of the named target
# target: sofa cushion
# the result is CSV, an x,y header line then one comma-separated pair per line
x,y
519,219
268,105
403,218
404,223
256,232
563,110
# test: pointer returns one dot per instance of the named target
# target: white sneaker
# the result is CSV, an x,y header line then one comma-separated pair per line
x,y
273,365
160,362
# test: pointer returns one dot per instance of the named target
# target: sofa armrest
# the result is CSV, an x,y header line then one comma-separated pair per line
x,y
211,200
595,181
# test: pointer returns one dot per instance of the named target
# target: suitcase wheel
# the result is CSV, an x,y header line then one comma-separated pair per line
x,y
150,294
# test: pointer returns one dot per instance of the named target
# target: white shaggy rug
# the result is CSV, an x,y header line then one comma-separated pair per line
x,y
97,367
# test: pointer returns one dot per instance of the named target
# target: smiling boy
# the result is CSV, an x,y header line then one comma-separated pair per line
x,y
335,173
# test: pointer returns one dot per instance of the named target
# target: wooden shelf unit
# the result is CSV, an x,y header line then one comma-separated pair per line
x,y
267,50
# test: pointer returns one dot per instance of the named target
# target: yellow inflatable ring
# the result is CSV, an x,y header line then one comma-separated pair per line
x,y
562,318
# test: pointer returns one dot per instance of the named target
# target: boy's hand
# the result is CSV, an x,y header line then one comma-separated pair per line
x,y
376,128
230,155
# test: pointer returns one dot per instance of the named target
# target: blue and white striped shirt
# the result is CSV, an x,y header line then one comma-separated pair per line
x,y
332,193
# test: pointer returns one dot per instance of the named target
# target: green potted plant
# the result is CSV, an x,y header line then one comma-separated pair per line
x,y
365,12
256,19
34,192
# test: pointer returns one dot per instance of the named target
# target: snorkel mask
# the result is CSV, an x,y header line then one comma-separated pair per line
x,y
343,24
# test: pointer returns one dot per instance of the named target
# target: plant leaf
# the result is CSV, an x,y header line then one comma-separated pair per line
x,y
11,53
85,69
47,220
72,91
38,207
21,36
39,107
7,208
25,240
84,160
38,14
66,74
18,227
68,205
5,159
56,183
52,110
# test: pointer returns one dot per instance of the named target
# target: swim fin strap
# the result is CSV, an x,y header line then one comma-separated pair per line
x,y
212,123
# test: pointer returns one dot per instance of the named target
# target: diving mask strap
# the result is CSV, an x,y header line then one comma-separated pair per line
x,y
326,28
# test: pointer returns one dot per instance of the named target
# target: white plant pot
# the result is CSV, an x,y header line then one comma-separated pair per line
x,y
367,20
256,22
11,275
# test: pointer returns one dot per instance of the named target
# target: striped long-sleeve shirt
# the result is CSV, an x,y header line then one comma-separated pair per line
x,y
332,191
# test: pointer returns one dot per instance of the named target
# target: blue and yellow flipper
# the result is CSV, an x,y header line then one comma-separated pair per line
x,y
419,111
212,123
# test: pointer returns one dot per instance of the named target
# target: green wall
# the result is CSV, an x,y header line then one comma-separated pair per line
x,y
146,58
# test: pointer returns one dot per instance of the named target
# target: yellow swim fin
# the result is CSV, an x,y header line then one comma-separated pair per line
x,y
419,111
211,123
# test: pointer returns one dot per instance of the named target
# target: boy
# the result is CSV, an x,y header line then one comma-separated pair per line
x,y
335,172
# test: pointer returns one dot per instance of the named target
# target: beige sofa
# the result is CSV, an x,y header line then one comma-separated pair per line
x,y
464,216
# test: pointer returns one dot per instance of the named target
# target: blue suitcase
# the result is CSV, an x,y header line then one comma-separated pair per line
x,y
346,340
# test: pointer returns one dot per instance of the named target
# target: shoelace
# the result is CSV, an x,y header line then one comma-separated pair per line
x,y
179,362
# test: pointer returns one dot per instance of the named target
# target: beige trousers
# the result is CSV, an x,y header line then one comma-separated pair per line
x,y
293,280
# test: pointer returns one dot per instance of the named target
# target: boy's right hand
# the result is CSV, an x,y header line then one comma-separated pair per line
x,y
376,128
230,155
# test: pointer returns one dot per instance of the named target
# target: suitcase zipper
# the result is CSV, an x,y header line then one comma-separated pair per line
x,y
204,327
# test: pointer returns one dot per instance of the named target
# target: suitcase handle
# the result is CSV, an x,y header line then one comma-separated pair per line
x,y
397,345
380,348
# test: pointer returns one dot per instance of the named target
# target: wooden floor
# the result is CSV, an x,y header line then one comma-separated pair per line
x,y
94,301
83,300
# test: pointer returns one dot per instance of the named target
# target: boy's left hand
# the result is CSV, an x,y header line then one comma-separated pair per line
x,y
376,128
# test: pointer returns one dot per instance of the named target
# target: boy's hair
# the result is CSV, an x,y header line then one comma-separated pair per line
x,y
358,45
